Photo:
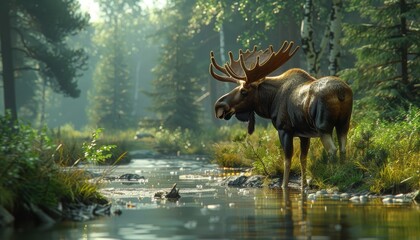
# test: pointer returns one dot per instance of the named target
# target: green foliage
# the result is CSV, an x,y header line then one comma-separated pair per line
x,y
385,76
107,148
180,141
260,151
391,153
94,153
228,154
381,156
342,176
257,21
175,87
111,97
32,171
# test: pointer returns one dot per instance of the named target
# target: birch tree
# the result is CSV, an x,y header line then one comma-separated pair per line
x,y
330,39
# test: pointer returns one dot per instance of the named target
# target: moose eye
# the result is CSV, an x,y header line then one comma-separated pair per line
x,y
244,92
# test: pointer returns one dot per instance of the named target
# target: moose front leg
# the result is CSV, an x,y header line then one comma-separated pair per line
x,y
304,148
286,141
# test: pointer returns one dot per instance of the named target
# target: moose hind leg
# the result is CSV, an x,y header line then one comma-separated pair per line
x,y
329,145
342,140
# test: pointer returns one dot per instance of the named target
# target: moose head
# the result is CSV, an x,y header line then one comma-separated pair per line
x,y
247,71
297,104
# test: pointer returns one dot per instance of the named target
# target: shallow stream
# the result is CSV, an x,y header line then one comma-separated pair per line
x,y
207,210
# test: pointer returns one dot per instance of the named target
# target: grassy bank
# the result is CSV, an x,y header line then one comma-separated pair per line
x,y
382,157
33,176
159,140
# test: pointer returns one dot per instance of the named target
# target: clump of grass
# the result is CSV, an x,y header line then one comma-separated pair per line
x,y
33,172
183,141
382,156
392,152
227,154
73,140
261,151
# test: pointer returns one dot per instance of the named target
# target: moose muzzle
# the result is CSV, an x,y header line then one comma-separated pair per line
x,y
223,110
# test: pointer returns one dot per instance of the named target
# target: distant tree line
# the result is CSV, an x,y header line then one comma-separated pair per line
x,y
373,45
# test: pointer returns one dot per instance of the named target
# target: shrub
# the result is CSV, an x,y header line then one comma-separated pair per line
x,y
182,141
30,174
382,157
73,149
261,150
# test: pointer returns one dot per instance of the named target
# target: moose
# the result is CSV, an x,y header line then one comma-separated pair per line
x,y
297,104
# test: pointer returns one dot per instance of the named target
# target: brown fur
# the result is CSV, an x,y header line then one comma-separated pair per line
x,y
298,106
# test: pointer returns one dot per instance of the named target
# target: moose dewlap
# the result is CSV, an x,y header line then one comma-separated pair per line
x,y
297,104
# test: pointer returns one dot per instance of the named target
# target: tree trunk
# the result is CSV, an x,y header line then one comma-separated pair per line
x,y
222,55
334,36
115,91
313,55
43,101
330,39
404,50
7,60
307,34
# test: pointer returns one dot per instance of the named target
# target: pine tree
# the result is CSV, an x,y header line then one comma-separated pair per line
x,y
111,98
38,31
387,48
175,87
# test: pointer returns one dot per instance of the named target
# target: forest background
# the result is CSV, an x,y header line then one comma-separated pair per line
x,y
141,70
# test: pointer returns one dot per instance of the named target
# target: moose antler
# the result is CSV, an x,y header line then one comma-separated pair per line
x,y
252,66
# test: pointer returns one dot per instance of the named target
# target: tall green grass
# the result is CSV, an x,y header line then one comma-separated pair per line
x,y
382,157
33,169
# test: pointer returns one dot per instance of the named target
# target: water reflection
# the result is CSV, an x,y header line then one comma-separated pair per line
x,y
207,210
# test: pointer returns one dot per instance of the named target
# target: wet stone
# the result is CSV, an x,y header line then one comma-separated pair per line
x,y
130,177
254,181
312,196
173,194
363,198
235,181
355,199
321,193
82,212
275,183
335,196
345,196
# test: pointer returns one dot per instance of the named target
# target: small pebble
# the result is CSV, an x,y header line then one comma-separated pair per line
x,y
400,196
402,200
321,193
345,196
388,196
312,197
355,199
335,196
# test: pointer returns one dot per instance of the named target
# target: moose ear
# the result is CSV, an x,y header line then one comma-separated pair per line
x,y
251,123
